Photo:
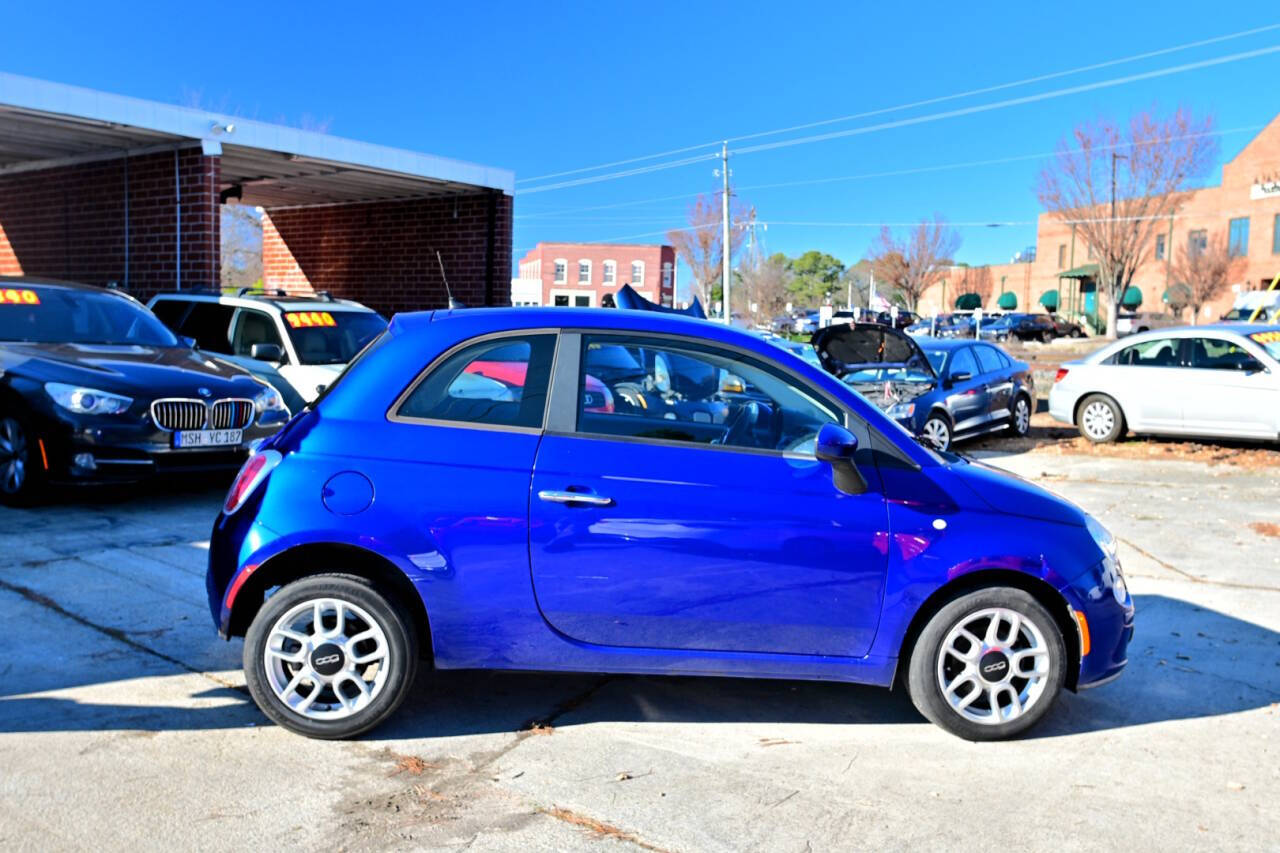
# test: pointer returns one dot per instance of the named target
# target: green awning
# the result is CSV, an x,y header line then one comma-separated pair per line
x,y
1008,300
1132,297
1177,294
1049,299
968,302
1086,271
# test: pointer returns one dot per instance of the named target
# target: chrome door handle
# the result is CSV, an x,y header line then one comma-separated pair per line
x,y
573,498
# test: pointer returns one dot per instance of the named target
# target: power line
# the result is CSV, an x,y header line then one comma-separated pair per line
x,y
915,120
927,102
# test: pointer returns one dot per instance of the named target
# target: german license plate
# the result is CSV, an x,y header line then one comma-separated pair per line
x,y
206,437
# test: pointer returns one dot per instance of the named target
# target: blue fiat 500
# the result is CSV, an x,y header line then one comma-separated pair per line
x,y
633,492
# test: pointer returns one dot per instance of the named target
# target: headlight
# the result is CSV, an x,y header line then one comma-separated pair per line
x,y
902,410
269,400
1111,575
1101,535
86,401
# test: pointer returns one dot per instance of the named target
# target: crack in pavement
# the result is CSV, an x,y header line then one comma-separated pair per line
x,y
1194,579
114,633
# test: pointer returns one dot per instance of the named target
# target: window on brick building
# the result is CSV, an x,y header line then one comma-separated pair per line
x,y
1197,242
637,272
1160,247
666,274
610,273
584,272
562,270
1275,236
1238,237
1062,256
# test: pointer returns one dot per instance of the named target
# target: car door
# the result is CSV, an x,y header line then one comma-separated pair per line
x,y
997,380
704,521
966,392
1229,391
1149,382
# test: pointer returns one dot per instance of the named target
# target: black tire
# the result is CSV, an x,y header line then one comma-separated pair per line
x,y
928,666
937,430
1093,422
22,465
1019,425
1046,337
1076,333
401,655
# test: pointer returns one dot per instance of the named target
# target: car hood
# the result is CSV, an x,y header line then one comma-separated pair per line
x,y
136,371
1012,495
857,346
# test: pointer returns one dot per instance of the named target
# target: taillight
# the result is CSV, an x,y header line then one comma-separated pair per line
x,y
250,477
1062,374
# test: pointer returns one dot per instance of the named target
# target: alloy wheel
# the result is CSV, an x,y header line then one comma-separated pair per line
x,y
1098,420
993,666
13,456
1022,416
937,433
326,659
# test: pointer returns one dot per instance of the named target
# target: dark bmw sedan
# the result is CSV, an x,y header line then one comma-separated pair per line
x,y
943,390
94,388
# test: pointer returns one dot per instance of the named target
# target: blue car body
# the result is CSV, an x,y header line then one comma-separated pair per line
x,y
706,560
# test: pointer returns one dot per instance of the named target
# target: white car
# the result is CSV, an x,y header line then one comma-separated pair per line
x,y
1132,322
1211,381
308,340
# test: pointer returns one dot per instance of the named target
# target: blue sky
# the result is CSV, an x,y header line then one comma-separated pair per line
x,y
547,88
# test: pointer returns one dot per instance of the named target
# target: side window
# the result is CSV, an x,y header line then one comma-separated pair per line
x,y
657,389
499,382
988,359
1158,353
962,362
254,327
1217,354
210,324
170,312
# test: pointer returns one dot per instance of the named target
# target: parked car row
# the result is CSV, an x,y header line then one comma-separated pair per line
x,y
94,387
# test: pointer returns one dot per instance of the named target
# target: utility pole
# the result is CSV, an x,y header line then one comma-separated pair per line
x,y
724,222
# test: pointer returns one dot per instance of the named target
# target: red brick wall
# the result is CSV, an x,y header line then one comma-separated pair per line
x,y
383,253
69,222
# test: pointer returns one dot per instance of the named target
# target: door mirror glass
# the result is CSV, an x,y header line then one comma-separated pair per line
x,y
267,352
731,383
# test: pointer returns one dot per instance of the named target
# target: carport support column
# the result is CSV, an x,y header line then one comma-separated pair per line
x,y
177,222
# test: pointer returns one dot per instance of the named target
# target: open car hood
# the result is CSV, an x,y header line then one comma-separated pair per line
x,y
847,348
628,298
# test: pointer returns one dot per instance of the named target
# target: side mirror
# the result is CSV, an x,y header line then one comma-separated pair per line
x,y
962,376
836,446
267,352
731,383
187,342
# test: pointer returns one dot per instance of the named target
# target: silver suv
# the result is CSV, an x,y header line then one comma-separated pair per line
x,y
305,341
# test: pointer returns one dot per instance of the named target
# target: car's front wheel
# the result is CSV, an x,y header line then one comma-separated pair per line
x,y
1100,419
1020,416
22,461
988,665
329,656
937,431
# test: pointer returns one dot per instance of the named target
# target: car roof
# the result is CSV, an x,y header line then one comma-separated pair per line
x,y
14,280
282,302
947,343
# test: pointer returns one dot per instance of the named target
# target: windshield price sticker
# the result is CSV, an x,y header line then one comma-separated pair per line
x,y
19,297
308,319
1266,337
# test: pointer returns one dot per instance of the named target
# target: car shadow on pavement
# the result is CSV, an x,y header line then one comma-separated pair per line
x,y
1186,662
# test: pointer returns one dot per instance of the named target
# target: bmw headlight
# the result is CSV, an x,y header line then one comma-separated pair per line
x,y
86,401
898,411
270,406
1112,577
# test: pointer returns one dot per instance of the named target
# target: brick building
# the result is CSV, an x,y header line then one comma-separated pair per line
x,y
104,188
1244,205
586,274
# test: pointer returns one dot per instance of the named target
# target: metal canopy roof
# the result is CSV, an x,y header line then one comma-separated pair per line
x,y
43,125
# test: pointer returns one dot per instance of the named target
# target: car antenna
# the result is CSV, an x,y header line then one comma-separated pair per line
x,y
453,303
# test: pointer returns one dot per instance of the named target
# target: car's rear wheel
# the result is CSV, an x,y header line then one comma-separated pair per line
x,y
1100,419
937,431
988,665
1046,337
1020,416
21,462
329,656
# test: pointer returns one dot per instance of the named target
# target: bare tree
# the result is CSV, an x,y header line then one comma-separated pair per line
x,y
765,286
916,262
701,245
1117,185
1205,272
241,230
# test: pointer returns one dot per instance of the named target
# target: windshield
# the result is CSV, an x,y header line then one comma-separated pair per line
x,y
1269,340
331,337
937,358
42,314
